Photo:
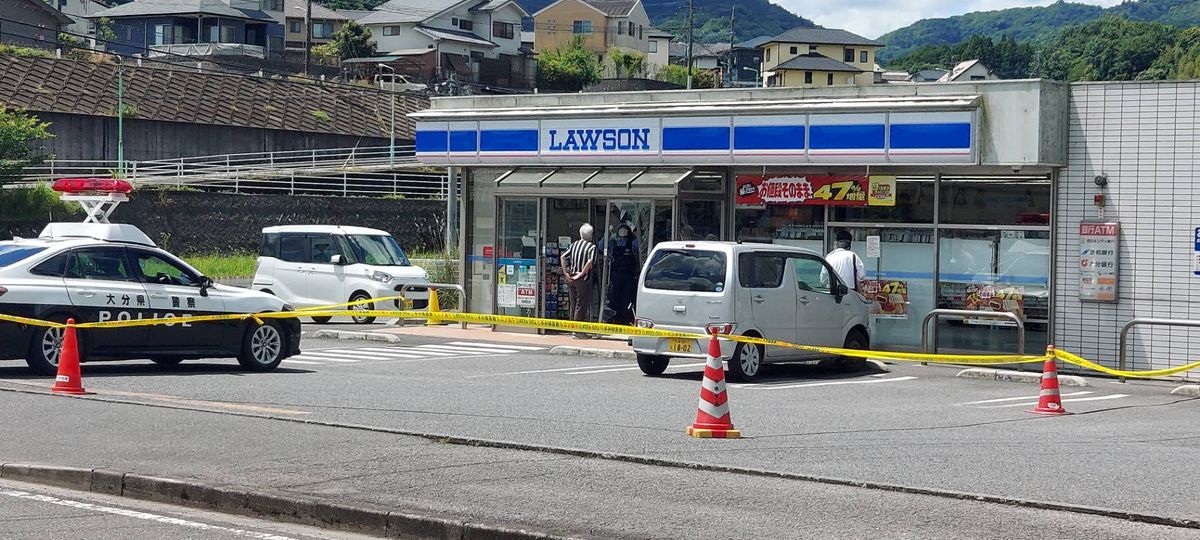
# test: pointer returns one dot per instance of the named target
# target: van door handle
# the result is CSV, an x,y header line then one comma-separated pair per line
x,y
759,298
803,300
85,293
679,309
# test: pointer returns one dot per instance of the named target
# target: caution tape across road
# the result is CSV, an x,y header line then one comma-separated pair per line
x,y
601,328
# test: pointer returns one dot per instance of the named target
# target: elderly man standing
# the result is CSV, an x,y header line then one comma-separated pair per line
x,y
578,263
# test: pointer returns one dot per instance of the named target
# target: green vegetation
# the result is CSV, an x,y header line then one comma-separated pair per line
x,y
352,41
34,204
19,136
224,266
569,69
319,115
17,50
626,64
1039,25
676,74
1007,58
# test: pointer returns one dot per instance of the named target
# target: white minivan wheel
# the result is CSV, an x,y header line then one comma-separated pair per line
x,y
746,362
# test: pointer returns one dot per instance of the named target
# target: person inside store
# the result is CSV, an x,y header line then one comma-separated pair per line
x,y
847,264
624,266
578,262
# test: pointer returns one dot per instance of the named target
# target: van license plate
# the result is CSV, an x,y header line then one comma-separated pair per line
x,y
679,345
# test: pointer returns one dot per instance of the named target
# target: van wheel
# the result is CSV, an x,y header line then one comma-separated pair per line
x,y
746,362
262,346
653,364
361,319
855,340
321,320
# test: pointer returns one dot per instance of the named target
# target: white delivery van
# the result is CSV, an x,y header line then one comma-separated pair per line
x,y
764,290
321,265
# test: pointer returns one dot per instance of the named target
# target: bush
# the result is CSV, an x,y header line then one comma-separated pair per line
x,y
35,204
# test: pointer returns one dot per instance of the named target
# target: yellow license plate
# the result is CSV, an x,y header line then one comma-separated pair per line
x,y
406,304
679,345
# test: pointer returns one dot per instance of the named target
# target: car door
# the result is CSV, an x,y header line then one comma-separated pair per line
x,y
772,297
292,270
103,287
326,281
819,313
174,291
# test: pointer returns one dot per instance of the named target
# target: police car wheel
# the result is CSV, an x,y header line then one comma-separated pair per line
x,y
262,346
358,297
321,320
45,348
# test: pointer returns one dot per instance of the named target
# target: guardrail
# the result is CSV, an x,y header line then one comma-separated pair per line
x,y
462,295
1121,358
968,314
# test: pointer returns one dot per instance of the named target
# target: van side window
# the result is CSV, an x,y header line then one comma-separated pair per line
x,y
813,275
293,248
761,270
269,246
322,248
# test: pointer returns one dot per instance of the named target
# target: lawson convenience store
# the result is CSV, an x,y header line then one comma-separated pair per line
x,y
945,190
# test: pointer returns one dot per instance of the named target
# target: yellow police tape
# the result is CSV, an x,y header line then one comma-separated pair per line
x,y
600,328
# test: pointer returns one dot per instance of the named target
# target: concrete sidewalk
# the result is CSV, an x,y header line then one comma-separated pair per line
x,y
485,333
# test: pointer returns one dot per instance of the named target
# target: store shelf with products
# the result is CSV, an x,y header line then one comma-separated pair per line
x,y
555,289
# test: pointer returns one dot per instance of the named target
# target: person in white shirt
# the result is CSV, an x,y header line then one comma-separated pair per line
x,y
847,264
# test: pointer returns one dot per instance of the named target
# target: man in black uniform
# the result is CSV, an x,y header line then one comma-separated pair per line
x,y
624,267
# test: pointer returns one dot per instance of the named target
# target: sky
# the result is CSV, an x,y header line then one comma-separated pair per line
x,y
872,18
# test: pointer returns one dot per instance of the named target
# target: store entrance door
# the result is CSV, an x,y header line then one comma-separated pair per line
x,y
563,219
631,226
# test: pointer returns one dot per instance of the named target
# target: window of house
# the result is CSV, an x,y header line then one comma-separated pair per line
x,y
631,29
653,46
323,30
503,30
582,27
271,5
162,34
794,50
862,56
620,28
848,55
829,79
807,77
812,48
640,28
977,77
294,27
476,56
453,21
466,25
767,56
391,30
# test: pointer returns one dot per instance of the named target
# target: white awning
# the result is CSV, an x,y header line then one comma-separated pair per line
x,y
589,181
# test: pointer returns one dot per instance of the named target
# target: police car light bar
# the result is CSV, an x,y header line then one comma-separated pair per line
x,y
92,185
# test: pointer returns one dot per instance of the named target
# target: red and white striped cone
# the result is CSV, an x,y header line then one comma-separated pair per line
x,y
69,380
1049,399
712,415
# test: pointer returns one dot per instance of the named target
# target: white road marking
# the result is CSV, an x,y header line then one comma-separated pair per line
x,y
427,352
504,345
460,349
541,371
629,368
828,383
1069,400
1022,398
290,361
141,515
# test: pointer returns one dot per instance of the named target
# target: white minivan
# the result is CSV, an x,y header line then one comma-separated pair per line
x,y
321,265
764,290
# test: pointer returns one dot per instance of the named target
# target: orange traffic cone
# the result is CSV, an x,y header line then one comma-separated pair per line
x,y
712,417
69,380
434,307
1049,400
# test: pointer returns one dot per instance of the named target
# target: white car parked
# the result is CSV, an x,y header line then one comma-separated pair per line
x,y
764,290
321,265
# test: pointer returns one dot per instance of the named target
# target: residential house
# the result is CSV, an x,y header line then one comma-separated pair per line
x,y
658,48
742,63
79,11
324,22
475,41
810,57
705,56
602,25
169,28
970,70
31,23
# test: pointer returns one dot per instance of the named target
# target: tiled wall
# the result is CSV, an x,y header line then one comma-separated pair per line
x,y
1144,138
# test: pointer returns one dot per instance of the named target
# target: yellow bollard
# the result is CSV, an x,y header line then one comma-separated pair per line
x,y
433,308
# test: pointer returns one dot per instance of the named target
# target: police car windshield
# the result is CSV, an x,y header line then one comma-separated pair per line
x,y
377,250
11,254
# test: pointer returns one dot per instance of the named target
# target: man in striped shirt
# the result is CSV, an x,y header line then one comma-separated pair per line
x,y
578,263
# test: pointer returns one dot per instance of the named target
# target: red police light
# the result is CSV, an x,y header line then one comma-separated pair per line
x,y
92,185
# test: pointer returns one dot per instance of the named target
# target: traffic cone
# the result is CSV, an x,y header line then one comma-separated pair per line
x,y
434,307
712,416
1049,400
68,380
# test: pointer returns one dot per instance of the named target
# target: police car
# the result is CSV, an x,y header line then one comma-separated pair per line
x,y
114,272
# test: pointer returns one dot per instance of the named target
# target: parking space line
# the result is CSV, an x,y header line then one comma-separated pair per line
x,y
1072,400
427,352
502,345
470,349
827,383
1024,398
553,370
628,369
356,355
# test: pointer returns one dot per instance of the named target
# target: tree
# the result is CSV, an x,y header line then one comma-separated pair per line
x,y
627,64
569,69
676,74
104,30
353,41
18,133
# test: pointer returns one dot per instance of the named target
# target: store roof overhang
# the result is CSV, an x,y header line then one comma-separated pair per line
x,y
640,182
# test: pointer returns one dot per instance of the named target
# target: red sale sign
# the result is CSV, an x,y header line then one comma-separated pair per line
x,y
805,190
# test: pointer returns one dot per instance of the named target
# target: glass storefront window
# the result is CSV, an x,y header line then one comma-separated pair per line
x,y
995,201
700,219
899,281
517,288
479,195
914,204
801,226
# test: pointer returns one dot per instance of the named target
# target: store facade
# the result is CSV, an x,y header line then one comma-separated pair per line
x,y
946,191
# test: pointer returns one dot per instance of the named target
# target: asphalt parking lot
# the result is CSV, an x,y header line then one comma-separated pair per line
x,y
905,425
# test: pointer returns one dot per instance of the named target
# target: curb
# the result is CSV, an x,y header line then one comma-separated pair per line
x,y
277,506
564,350
1192,390
348,335
1018,376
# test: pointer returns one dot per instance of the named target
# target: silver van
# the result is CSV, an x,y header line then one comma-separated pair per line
x,y
764,290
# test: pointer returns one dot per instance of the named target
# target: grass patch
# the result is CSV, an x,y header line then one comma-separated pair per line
x,y
223,266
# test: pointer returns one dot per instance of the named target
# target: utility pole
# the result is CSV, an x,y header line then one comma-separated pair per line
x,y
730,68
120,117
689,46
307,34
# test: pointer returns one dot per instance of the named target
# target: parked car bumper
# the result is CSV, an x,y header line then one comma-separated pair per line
x,y
662,346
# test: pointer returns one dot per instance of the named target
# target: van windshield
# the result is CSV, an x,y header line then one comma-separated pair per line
x,y
686,270
376,250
